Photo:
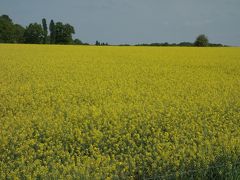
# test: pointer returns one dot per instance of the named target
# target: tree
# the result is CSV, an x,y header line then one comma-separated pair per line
x,y
18,33
34,34
52,29
10,32
7,18
97,43
185,44
63,33
6,29
77,42
45,30
201,41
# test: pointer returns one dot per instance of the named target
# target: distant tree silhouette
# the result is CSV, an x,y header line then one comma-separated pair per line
x,y
101,43
77,42
10,32
18,33
97,43
63,33
52,32
34,34
185,44
201,41
45,30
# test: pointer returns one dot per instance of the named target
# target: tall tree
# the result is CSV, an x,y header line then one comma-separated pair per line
x,y
34,34
45,30
18,33
52,29
6,29
10,32
97,43
64,33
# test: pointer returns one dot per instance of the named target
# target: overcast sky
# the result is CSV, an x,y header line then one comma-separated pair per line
x,y
135,21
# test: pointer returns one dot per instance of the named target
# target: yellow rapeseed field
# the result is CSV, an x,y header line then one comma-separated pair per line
x,y
118,112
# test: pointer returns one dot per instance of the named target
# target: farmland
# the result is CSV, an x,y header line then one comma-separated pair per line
x,y
118,112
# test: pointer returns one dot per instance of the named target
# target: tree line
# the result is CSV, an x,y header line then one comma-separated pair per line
x,y
201,41
36,33
60,33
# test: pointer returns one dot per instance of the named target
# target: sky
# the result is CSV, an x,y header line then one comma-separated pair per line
x,y
135,21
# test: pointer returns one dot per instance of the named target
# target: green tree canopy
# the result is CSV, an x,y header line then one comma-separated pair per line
x,y
6,29
19,33
10,32
63,33
201,41
34,34
77,42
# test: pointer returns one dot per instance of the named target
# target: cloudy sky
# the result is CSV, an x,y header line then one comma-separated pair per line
x,y
135,21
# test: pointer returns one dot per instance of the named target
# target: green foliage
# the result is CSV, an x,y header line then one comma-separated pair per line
x,y
63,33
52,29
34,34
77,42
45,31
6,29
97,43
19,33
101,44
10,32
201,41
